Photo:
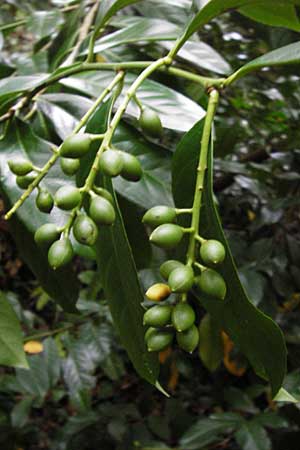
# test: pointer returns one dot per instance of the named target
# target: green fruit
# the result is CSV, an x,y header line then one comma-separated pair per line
x,y
20,166
85,230
111,163
132,169
158,316
44,201
46,235
168,266
183,316
188,339
150,123
104,193
159,215
212,283
60,253
149,332
158,340
102,211
181,279
67,197
69,166
167,236
76,146
212,252
24,181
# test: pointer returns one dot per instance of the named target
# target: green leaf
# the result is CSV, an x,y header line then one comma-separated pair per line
x,y
284,396
20,412
281,15
289,54
162,99
207,431
19,140
14,85
271,420
44,23
210,343
256,334
108,8
252,436
214,8
119,278
11,340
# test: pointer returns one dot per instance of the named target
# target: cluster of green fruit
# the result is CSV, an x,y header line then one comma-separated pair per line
x,y
163,319
99,207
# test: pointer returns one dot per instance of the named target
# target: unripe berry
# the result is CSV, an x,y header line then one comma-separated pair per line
x,y
69,166
85,230
60,253
212,252
158,316
168,266
46,235
20,166
150,123
44,201
111,163
159,215
158,292
212,283
67,197
104,193
131,169
159,339
188,339
183,316
181,279
76,146
25,180
102,211
167,236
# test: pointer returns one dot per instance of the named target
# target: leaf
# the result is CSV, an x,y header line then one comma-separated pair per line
x,y
11,340
214,8
210,343
44,23
61,285
256,334
162,99
20,412
284,396
282,15
252,436
108,8
271,420
119,278
289,54
207,431
20,84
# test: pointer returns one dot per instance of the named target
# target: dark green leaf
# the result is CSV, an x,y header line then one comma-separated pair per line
x,y
119,277
43,23
282,15
271,420
108,8
258,337
210,343
11,340
289,54
252,436
207,431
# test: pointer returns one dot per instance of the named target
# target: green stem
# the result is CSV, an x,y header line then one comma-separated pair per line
x,y
56,155
117,117
201,170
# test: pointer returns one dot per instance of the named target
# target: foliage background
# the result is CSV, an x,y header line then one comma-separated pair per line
x,y
82,392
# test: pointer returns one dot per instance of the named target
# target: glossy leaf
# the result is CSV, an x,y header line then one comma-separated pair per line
x,y
256,334
289,54
44,23
19,140
11,339
214,8
162,99
207,431
119,278
210,343
108,8
252,436
282,15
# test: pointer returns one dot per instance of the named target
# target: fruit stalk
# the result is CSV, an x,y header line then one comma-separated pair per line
x,y
201,170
